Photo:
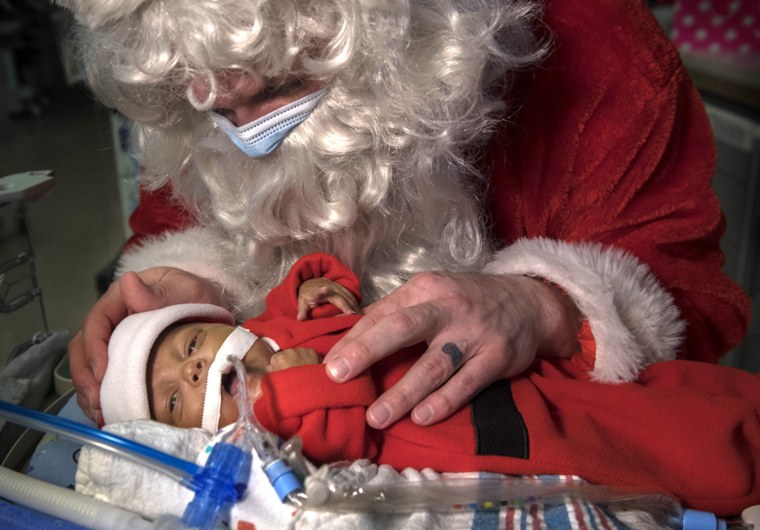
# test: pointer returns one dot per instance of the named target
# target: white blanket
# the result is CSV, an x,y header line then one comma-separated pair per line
x,y
151,494
27,378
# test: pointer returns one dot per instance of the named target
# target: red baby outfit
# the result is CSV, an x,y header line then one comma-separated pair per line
x,y
690,429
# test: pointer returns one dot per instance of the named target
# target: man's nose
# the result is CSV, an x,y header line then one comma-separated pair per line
x,y
194,371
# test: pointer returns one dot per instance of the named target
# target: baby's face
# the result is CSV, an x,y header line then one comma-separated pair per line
x,y
178,369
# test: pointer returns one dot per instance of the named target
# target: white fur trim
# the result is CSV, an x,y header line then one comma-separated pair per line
x,y
95,13
195,250
634,320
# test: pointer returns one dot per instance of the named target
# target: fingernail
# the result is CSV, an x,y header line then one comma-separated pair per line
x,y
422,415
338,368
380,413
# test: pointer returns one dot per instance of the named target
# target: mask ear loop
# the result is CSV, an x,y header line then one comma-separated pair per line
x,y
236,345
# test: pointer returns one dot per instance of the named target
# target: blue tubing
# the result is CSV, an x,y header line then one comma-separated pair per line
x,y
182,470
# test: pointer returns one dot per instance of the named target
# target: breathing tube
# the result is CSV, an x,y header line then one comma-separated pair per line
x,y
217,485
276,460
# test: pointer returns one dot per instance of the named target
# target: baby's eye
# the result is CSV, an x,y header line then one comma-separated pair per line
x,y
191,346
172,403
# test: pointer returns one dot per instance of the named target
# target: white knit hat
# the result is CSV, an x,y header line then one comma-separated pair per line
x,y
124,390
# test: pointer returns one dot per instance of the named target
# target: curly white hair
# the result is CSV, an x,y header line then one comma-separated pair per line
x,y
380,174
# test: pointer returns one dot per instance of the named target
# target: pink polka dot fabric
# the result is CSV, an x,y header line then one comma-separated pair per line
x,y
718,26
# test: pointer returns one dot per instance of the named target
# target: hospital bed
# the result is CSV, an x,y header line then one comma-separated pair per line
x,y
119,493
142,492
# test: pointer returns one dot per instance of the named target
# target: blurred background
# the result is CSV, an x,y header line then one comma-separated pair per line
x,y
76,227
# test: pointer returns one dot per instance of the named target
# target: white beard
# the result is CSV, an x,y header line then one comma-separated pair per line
x,y
378,175
327,188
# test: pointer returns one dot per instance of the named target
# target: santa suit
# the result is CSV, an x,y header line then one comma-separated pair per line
x,y
686,428
600,183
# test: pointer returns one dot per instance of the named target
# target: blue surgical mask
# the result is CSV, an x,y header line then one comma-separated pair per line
x,y
263,135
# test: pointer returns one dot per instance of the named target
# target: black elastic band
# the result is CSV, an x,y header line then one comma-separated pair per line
x,y
499,426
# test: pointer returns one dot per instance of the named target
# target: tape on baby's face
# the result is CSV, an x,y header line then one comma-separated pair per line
x,y
235,345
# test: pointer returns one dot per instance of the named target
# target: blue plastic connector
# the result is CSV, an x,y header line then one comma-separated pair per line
x,y
697,520
282,478
220,484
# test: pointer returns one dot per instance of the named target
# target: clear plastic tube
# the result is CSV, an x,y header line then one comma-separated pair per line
x,y
250,435
337,489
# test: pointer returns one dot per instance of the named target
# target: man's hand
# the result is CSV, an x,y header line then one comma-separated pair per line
x,y
132,293
478,328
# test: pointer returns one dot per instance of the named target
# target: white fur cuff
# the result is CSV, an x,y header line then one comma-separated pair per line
x,y
196,250
632,317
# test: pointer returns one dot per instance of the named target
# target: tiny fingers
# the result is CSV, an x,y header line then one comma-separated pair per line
x,y
302,309
347,306
334,293
292,357
341,298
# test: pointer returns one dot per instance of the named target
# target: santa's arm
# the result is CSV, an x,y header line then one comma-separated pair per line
x,y
632,318
606,192
194,250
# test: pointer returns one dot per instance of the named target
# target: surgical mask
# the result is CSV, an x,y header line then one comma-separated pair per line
x,y
263,135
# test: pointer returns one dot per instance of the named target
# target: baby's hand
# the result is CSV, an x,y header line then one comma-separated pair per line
x,y
318,291
292,357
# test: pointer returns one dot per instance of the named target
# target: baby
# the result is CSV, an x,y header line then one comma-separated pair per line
x,y
686,428
171,364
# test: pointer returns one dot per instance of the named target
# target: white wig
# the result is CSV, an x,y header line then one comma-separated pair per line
x,y
379,174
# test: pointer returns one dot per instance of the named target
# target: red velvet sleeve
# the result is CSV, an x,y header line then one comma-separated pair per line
x,y
612,145
157,212
329,417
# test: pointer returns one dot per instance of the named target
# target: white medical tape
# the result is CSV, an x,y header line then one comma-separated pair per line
x,y
235,345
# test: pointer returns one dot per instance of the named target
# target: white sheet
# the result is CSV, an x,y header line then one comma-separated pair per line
x,y
151,494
